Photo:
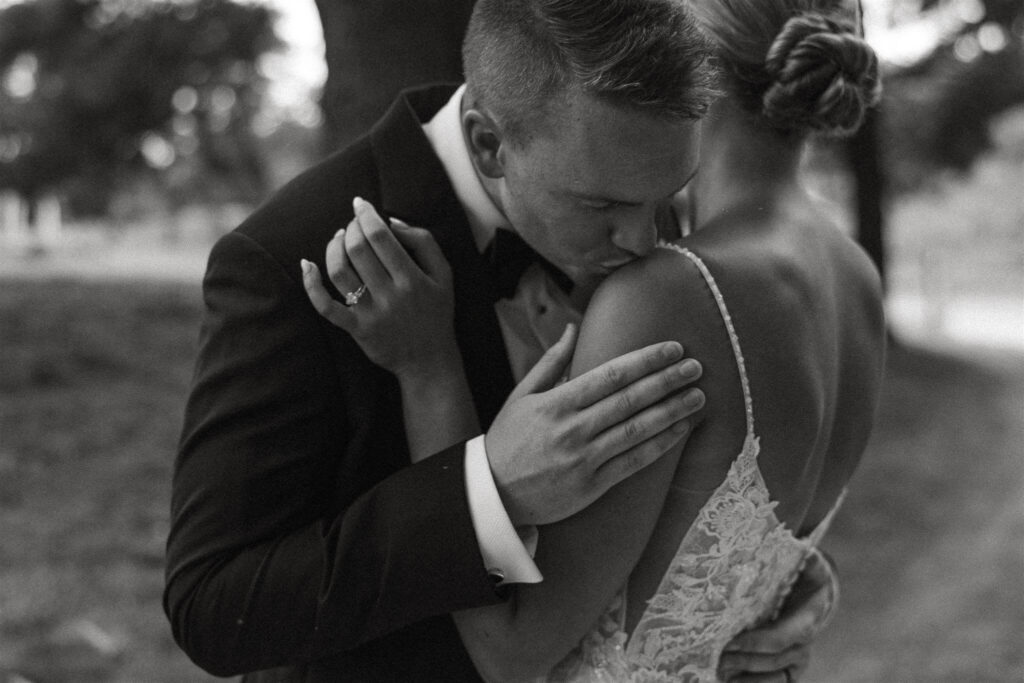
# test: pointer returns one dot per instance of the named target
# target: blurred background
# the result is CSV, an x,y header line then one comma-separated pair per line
x,y
133,133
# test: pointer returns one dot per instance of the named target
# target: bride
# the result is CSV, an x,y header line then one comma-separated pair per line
x,y
784,313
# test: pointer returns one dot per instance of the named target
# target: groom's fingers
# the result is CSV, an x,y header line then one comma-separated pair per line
x,y
645,407
798,628
617,443
803,615
550,368
613,378
634,459
773,677
816,590
589,433
746,666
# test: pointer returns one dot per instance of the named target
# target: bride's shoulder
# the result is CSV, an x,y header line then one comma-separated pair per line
x,y
660,283
661,296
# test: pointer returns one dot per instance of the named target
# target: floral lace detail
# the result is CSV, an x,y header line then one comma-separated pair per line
x,y
732,570
600,656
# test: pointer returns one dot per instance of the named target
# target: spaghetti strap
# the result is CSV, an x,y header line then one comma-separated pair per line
x,y
734,339
814,538
732,570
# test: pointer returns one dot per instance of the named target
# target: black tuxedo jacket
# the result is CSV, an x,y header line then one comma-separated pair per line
x,y
303,545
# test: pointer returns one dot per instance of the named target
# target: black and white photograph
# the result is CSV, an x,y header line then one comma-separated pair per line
x,y
526,341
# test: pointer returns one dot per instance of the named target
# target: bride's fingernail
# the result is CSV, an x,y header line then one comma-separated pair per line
x,y
307,267
340,233
358,204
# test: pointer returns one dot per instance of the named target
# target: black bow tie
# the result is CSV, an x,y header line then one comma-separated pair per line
x,y
508,257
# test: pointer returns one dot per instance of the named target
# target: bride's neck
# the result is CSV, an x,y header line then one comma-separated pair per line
x,y
741,164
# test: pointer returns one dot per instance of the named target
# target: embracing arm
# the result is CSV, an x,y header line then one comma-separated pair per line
x,y
586,558
405,324
579,430
276,555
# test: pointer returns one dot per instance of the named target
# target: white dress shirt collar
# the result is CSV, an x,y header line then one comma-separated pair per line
x,y
445,134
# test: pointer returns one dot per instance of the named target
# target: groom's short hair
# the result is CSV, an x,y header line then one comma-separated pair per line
x,y
647,54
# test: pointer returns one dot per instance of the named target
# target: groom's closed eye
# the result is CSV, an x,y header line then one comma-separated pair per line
x,y
601,206
598,204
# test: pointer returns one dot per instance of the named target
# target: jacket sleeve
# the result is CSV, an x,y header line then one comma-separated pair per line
x,y
265,565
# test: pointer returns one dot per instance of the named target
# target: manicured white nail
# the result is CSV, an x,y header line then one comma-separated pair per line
x,y
358,204
307,267
340,233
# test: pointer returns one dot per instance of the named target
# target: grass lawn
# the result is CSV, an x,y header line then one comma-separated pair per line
x,y
930,542
94,375
93,379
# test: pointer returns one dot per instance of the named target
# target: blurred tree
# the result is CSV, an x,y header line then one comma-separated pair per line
x,y
374,49
93,92
864,157
935,114
939,109
936,111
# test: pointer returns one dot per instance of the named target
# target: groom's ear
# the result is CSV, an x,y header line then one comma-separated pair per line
x,y
485,142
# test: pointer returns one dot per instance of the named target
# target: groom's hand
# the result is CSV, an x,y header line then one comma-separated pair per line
x,y
781,649
553,450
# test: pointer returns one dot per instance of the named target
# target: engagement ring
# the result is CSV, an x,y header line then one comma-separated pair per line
x,y
352,298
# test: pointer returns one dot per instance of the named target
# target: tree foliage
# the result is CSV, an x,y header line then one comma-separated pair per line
x,y
938,111
93,91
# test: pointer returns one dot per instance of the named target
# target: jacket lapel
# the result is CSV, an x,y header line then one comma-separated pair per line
x,y
415,188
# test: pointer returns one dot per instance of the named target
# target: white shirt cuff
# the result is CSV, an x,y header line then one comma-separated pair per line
x,y
507,553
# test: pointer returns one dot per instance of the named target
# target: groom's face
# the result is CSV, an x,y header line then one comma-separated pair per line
x,y
585,189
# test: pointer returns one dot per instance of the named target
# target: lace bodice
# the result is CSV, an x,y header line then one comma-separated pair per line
x,y
732,570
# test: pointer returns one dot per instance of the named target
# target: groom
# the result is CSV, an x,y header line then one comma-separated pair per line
x,y
303,546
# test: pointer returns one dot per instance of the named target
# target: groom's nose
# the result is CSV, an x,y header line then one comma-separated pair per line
x,y
636,231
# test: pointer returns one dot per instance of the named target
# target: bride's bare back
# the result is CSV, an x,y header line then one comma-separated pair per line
x,y
784,312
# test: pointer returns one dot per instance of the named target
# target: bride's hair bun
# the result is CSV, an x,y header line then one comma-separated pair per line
x,y
822,77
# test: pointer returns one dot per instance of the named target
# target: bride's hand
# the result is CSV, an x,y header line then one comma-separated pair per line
x,y
398,286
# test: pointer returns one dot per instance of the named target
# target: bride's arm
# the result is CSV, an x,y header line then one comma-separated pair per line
x,y
586,558
404,324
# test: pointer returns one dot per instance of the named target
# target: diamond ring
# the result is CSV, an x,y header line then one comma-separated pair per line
x,y
352,298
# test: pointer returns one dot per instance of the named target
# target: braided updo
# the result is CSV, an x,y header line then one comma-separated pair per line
x,y
798,65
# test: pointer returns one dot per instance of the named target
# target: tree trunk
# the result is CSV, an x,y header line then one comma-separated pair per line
x,y
374,48
865,160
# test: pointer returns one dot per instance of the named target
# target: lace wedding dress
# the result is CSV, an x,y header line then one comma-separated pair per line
x,y
732,570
